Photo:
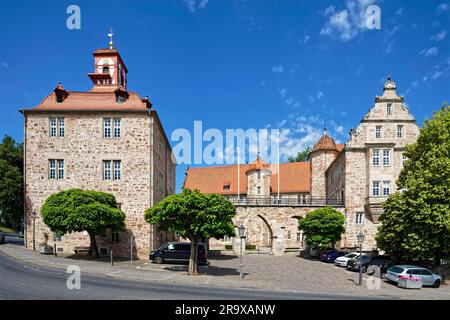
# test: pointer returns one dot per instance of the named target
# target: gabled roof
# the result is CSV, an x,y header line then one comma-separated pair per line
x,y
294,178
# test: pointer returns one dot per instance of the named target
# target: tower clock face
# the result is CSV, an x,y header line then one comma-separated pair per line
x,y
390,85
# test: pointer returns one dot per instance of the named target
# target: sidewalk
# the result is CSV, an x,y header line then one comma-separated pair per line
x,y
139,270
266,272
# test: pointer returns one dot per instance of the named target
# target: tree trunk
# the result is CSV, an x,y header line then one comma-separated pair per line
x,y
94,245
193,267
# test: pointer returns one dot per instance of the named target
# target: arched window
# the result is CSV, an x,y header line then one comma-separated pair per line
x,y
105,69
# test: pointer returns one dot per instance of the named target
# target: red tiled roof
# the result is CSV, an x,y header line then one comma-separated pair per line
x,y
92,101
294,178
325,143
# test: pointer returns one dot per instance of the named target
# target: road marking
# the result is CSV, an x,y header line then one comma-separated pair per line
x,y
171,276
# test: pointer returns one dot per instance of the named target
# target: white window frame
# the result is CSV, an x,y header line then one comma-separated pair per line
x,y
376,157
359,218
376,186
399,131
60,172
386,157
117,169
53,127
403,158
61,128
389,109
378,134
107,176
117,127
386,188
106,127
56,169
52,169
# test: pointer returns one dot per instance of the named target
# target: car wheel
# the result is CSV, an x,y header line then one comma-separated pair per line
x,y
159,260
436,284
364,269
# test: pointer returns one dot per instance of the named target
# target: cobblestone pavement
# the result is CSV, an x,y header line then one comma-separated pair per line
x,y
300,274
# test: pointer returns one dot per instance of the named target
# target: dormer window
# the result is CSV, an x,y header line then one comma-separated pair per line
x,y
106,69
121,95
60,93
120,99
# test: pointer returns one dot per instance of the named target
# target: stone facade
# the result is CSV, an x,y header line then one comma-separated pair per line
x,y
356,178
147,171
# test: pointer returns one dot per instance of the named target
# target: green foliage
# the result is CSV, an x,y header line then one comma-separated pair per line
x,y
11,183
192,214
301,156
416,222
76,210
250,247
322,227
228,247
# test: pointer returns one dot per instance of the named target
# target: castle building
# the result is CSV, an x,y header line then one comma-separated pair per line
x,y
355,178
107,139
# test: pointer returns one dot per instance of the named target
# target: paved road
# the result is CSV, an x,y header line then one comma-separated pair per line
x,y
24,281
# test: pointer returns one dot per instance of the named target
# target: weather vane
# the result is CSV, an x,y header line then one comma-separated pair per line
x,y
110,35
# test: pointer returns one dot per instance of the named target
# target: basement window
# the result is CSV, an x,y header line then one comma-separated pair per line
x,y
226,186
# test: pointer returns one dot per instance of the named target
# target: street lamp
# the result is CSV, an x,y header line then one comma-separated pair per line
x,y
33,216
241,231
360,237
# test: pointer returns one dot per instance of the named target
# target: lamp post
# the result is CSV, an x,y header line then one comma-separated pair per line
x,y
33,216
360,242
241,231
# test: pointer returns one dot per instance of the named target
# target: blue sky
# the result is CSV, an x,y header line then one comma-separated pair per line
x,y
286,64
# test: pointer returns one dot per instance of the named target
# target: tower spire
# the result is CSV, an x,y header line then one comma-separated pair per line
x,y
110,35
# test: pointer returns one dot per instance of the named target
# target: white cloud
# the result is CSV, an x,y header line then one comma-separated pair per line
x,y
277,69
347,23
436,75
319,95
433,51
425,79
4,65
412,86
448,60
194,5
360,70
399,12
443,7
298,132
439,36
305,39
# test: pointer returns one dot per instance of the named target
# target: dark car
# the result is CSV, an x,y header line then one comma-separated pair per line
x,y
178,252
331,255
354,264
382,262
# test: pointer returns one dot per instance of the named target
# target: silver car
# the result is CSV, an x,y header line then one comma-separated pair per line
x,y
428,277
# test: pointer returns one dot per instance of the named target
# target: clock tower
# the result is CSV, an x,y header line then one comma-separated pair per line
x,y
110,72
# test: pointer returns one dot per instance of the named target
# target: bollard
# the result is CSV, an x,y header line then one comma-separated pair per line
x,y
54,250
112,262
131,247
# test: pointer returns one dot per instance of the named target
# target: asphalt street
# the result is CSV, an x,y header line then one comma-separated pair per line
x,y
20,280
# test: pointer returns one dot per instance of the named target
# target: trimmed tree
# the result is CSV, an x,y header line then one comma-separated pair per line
x,y
77,210
11,183
322,227
415,224
194,216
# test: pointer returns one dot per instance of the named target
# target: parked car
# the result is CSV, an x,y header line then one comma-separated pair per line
x,y
354,264
382,262
342,261
428,278
178,252
331,255
2,237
